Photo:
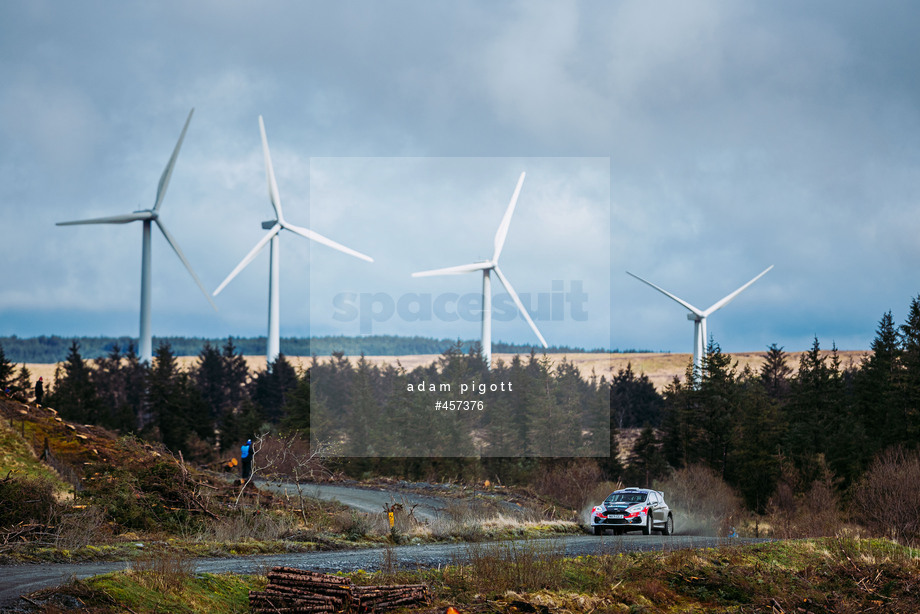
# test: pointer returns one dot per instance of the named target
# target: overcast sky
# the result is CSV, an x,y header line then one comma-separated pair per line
x,y
691,143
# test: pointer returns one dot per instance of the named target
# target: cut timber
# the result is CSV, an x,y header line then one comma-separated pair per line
x,y
292,590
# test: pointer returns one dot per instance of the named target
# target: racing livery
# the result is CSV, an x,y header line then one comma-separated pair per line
x,y
633,509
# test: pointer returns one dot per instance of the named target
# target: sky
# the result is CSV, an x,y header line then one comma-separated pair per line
x,y
691,143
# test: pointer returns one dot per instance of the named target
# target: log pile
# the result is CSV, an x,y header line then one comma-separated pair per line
x,y
379,598
291,591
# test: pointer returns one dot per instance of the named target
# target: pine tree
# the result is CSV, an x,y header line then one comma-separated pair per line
x,y
74,394
270,389
180,416
678,423
111,380
774,373
634,402
552,431
909,393
877,390
220,377
135,375
755,466
6,371
716,408
601,439
297,408
821,424
22,385
646,460
499,421
366,438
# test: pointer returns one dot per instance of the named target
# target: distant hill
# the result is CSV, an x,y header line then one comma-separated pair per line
x,y
54,348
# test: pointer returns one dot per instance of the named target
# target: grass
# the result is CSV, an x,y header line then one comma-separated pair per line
x,y
18,460
146,592
816,576
823,575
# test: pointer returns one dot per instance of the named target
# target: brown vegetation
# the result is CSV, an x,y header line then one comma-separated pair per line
x,y
702,502
888,497
661,368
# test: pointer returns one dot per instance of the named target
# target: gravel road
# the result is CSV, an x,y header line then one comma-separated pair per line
x,y
23,579
368,500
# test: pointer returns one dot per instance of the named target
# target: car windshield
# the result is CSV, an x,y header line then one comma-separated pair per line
x,y
626,497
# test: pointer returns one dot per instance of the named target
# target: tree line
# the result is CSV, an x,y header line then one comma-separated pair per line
x,y
53,349
356,409
758,429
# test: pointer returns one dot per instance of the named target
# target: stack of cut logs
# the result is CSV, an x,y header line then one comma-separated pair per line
x,y
293,590
379,598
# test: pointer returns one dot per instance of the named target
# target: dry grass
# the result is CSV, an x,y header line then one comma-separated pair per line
x,y
660,367
164,573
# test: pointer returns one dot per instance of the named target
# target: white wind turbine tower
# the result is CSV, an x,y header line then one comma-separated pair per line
x,y
698,316
149,217
487,267
274,227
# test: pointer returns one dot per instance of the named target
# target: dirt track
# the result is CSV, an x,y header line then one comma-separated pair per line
x,y
24,579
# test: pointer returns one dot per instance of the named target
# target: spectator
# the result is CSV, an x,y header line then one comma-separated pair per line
x,y
39,391
246,453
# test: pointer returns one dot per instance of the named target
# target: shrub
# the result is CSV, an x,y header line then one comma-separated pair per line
x,y
702,503
353,524
570,484
26,500
494,569
247,524
152,496
80,528
815,513
165,573
887,499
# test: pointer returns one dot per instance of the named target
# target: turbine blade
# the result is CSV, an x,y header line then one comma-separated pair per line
x,y
273,193
725,301
455,270
506,221
249,257
517,301
669,295
112,219
167,172
175,246
315,236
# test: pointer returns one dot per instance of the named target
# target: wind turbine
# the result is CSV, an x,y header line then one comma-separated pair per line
x,y
150,217
274,227
698,316
487,267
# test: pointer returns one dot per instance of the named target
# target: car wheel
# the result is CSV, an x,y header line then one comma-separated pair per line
x,y
598,530
668,526
647,529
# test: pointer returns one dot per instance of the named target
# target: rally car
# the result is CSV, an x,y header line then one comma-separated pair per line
x,y
633,509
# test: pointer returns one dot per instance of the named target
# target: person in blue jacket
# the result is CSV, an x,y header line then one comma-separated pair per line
x,y
246,456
